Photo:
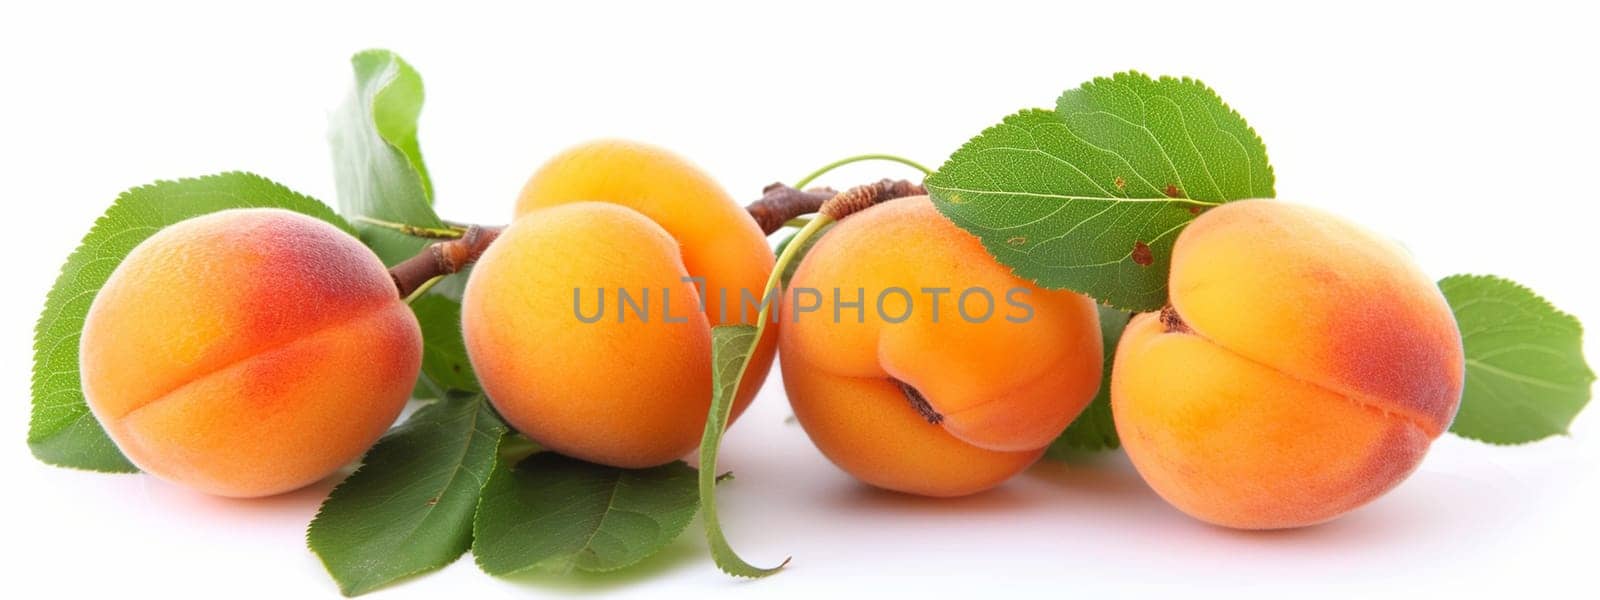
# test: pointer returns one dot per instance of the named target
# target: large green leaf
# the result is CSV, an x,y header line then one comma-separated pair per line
x,y
1090,197
1094,430
377,162
1526,374
556,513
62,431
409,508
445,365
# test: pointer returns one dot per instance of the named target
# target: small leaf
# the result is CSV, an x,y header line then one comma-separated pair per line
x,y
409,508
62,431
377,162
1090,197
445,365
558,513
1526,375
731,346
1094,429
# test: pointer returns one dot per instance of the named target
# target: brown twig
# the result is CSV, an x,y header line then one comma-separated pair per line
x,y
441,258
779,203
862,197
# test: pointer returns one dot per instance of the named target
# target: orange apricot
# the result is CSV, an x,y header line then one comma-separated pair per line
x,y
1302,370
917,363
562,355
248,352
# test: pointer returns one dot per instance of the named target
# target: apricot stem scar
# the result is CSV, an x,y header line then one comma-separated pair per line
x,y
1171,321
919,403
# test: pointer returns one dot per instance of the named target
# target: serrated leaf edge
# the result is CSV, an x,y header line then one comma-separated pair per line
x,y
352,590
1272,177
671,534
932,182
1542,303
100,224
934,190
723,556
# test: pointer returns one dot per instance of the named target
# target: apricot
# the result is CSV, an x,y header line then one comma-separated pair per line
x,y
1302,370
918,390
562,356
248,352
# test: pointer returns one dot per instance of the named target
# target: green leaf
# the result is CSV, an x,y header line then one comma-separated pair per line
x,y
445,365
1093,430
800,253
409,508
377,162
558,513
62,431
1090,197
1526,375
731,346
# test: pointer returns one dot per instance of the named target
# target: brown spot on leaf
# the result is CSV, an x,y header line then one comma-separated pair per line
x,y
432,501
1018,241
1120,182
1173,191
1194,210
1142,255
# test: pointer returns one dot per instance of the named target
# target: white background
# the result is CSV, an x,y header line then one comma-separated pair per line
x,y
1466,132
